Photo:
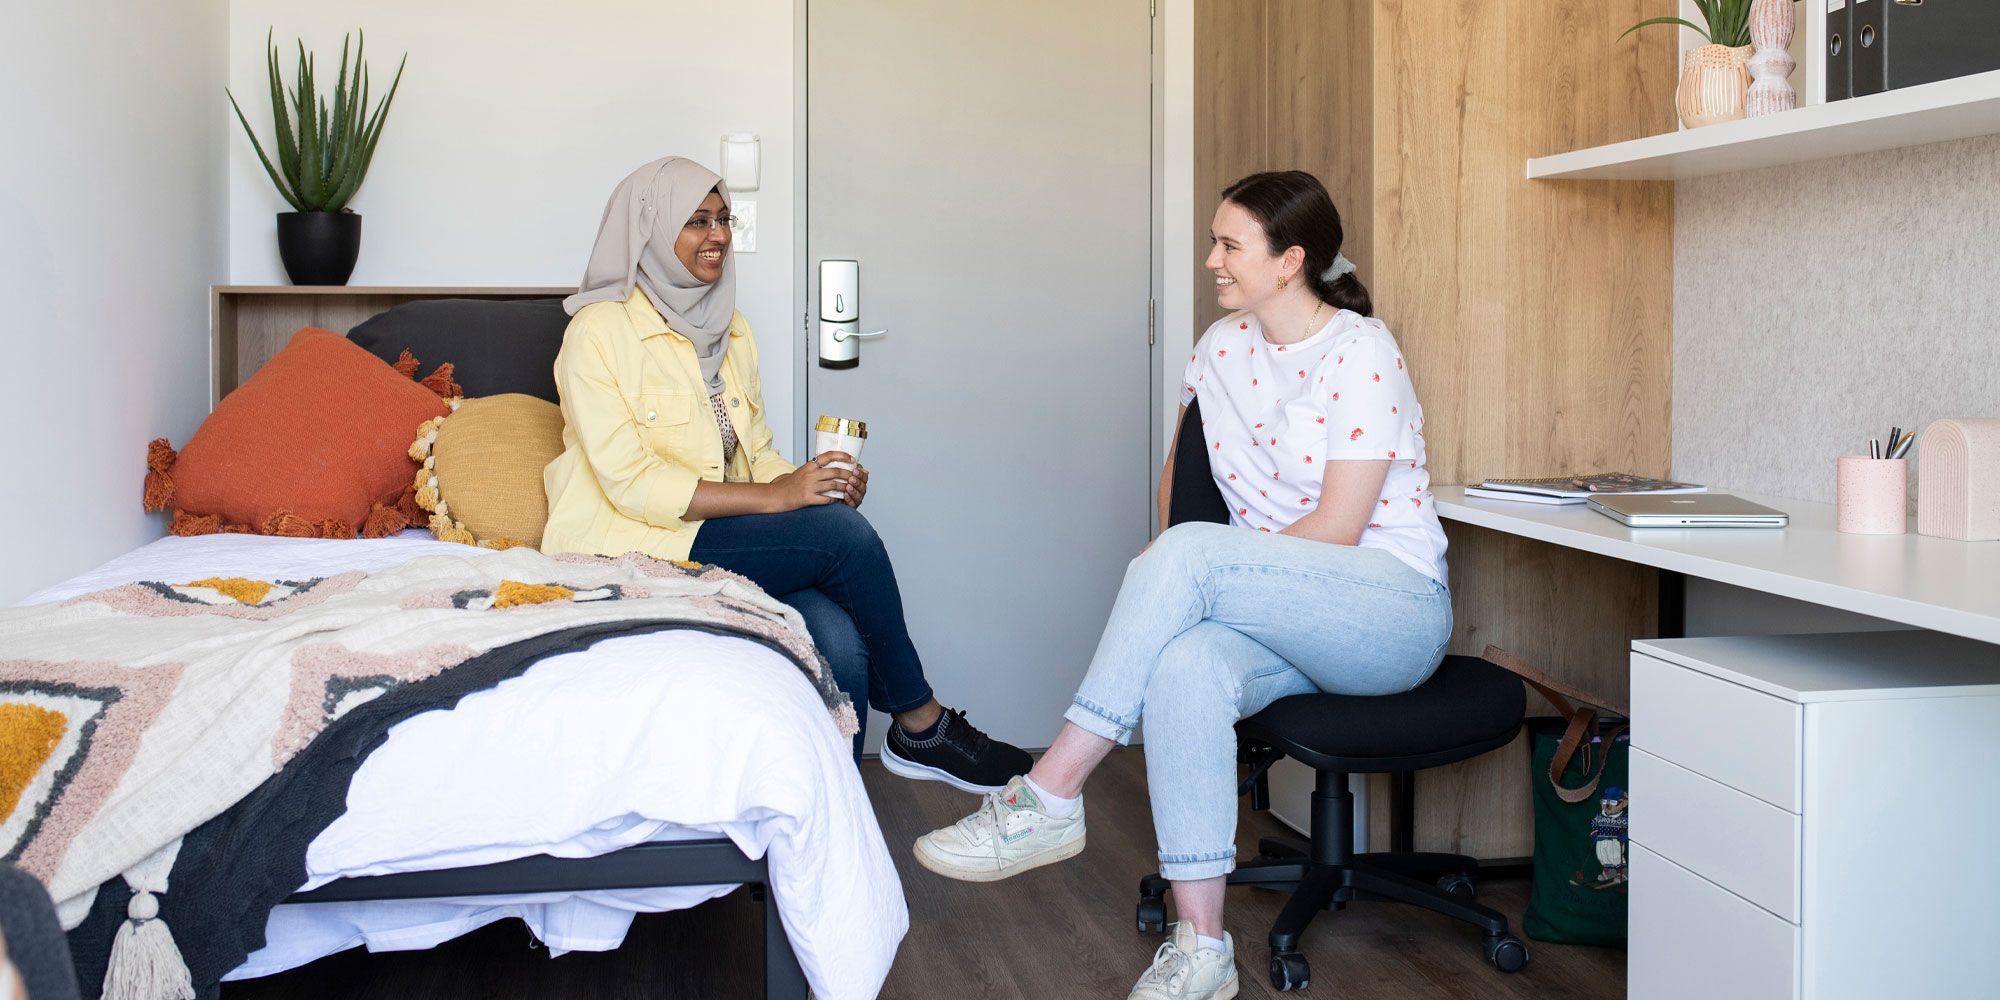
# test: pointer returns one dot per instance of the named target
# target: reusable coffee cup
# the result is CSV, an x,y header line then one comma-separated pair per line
x,y
1872,495
839,434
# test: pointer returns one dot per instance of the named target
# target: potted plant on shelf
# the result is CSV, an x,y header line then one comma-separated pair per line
x,y
1715,76
323,154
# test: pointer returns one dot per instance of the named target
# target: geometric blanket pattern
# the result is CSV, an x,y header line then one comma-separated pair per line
x,y
132,715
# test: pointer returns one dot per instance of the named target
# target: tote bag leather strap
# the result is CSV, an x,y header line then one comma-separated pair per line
x,y
1581,709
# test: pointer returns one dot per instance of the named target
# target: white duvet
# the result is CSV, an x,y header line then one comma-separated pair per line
x,y
663,736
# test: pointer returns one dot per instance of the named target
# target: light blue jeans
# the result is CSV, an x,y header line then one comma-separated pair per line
x,y
1215,622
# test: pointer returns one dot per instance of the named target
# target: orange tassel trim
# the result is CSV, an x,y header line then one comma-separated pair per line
x,y
440,382
187,525
383,522
406,505
406,365
159,488
286,524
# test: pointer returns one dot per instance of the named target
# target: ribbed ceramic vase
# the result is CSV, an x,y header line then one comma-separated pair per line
x,y
1771,26
1713,81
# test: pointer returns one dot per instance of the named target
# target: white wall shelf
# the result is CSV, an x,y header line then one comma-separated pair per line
x,y
1935,112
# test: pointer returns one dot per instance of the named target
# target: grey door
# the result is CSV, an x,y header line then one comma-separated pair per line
x,y
989,166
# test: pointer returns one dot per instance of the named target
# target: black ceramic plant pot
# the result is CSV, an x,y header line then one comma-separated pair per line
x,y
319,248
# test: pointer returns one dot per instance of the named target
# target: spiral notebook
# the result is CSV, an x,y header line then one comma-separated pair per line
x,y
1576,489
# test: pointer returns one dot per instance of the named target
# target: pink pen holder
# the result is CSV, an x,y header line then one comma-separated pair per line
x,y
1873,495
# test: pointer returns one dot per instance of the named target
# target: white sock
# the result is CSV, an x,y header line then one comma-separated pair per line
x,y
1053,804
1204,941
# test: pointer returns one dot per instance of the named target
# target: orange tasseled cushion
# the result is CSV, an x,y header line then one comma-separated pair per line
x,y
308,446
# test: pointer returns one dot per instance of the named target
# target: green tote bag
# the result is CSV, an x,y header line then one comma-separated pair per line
x,y
1581,802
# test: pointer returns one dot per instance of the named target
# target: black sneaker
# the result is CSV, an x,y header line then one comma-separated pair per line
x,y
957,754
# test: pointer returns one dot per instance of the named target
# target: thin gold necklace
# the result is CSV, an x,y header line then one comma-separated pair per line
x,y
1312,320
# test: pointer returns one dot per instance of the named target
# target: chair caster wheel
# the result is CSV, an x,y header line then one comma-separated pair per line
x,y
1152,914
1289,972
1458,884
1507,953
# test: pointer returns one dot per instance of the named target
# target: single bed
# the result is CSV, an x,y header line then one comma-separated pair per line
x,y
646,773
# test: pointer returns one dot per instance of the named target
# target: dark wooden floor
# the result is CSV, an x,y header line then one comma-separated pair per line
x,y
1060,932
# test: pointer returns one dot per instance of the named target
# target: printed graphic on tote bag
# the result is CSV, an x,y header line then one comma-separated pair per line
x,y
1607,838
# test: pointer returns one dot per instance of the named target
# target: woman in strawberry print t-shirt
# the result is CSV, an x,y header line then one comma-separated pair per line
x,y
1330,575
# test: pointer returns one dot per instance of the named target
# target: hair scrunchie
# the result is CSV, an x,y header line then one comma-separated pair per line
x,y
1340,268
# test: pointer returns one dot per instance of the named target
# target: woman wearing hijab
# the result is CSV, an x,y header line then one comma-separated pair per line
x,y
666,452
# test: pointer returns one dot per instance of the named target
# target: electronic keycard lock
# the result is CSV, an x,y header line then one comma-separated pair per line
x,y
840,333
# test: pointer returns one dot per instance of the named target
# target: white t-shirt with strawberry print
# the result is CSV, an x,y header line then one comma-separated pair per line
x,y
1274,414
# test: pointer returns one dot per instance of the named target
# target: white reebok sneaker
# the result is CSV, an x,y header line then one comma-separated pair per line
x,y
1183,971
1009,834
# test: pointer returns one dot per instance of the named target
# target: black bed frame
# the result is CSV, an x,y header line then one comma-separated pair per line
x,y
641,866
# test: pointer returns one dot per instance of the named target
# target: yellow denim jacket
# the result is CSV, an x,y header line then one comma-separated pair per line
x,y
639,431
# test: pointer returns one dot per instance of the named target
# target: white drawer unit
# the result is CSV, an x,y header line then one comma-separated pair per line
x,y
1810,815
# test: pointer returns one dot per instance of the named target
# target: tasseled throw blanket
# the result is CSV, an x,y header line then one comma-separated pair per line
x,y
131,716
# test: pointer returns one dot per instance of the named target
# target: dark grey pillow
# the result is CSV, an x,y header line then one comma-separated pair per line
x,y
494,346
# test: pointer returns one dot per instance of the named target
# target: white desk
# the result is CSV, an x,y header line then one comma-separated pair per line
x,y
1932,583
1779,782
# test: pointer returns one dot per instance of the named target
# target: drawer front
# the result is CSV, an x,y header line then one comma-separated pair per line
x,y
1743,844
1745,739
1691,939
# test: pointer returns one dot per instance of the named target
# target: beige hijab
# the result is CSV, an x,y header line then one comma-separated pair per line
x,y
635,245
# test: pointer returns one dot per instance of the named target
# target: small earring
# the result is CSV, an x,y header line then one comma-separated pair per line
x,y
1283,281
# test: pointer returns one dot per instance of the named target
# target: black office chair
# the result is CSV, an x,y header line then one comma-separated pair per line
x,y
1468,707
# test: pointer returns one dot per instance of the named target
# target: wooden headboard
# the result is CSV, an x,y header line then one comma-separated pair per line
x,y
249,323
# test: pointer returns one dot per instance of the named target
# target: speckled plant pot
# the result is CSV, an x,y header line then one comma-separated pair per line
x,y
1713,81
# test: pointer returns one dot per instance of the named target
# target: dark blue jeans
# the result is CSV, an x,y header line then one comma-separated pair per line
x,y
840,642
831,553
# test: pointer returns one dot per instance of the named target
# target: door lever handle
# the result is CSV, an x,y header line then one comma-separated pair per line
x,y
841,336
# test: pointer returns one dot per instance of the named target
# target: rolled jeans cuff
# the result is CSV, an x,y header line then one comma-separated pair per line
x,y
1195,867
909,705
1098,722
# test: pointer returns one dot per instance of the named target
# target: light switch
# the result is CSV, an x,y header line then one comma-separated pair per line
x,y
745,230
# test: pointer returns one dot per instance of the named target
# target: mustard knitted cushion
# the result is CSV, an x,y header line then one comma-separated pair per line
x,y
482,469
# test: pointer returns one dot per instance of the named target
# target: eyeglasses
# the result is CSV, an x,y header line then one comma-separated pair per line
x,y
711,223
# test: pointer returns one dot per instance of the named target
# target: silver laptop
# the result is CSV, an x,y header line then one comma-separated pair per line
x,y
1687,510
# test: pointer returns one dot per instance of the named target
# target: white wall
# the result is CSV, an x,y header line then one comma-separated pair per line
x,y
110,198
514,122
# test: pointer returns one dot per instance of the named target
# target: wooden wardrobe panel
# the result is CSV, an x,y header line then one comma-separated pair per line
x,y
1442,267
1537,318
1230,122
1591,388
1321,95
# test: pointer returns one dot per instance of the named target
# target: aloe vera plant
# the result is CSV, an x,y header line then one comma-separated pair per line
x,y
323,151
1728,22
